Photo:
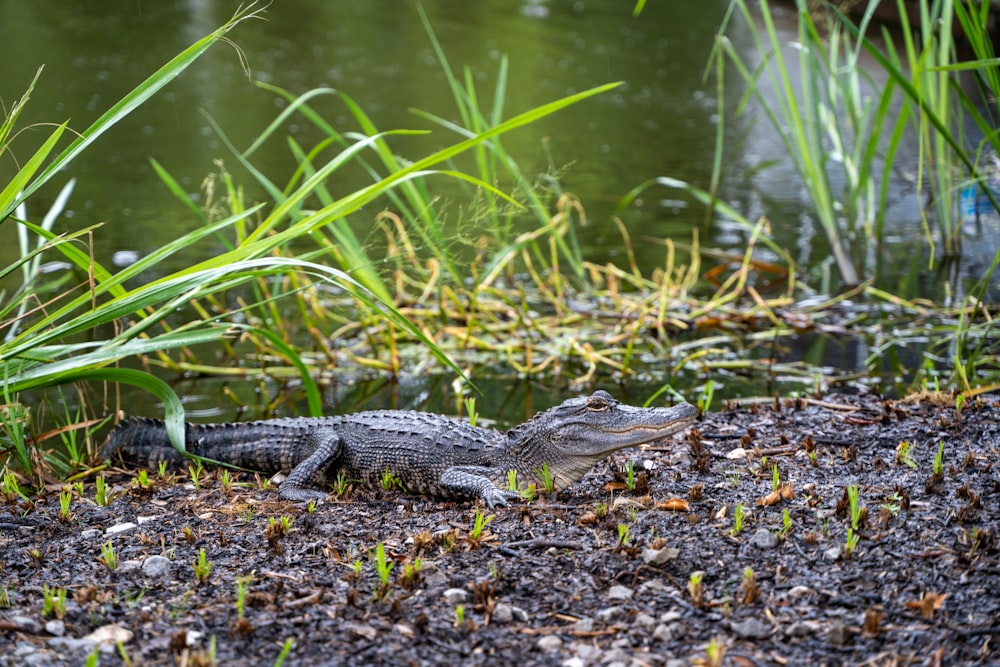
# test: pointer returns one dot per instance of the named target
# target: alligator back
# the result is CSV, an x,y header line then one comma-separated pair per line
x,y
267,446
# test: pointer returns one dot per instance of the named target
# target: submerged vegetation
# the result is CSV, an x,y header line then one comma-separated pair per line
x,y
293,291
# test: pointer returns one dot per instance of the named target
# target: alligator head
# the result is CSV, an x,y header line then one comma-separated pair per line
x,y
578,433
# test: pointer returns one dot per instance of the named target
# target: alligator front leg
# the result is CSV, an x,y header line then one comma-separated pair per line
x,y
473,481
327,450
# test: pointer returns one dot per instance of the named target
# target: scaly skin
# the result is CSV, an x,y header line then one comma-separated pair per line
x,y
429,454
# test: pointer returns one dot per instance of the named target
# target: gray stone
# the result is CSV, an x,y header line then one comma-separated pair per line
x,y
72,646
620,593
548,643
668,632
55,627
802,629
671,616
609,613
90,533
156,567
126,566
764,539
519,614
456,595
659,556
751,628
502,613
585,624
833,553
26,624
644,620
838,633
120,528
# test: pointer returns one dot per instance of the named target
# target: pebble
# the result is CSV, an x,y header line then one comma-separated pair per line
x,y
659,556
584,625
90,533
120,528
609,613
589,653
802,629
456,595
156,566
798,591
764,539
128,566
752,628
668,632
72,646
548,643
620,593
838,633
55,627
110,635
736,454
644,620
833,553
502,613
25,624
575,661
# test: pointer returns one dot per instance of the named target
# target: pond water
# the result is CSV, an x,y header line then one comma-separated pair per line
x,y
662,122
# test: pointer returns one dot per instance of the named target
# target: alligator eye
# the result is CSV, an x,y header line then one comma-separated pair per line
x,y
597,405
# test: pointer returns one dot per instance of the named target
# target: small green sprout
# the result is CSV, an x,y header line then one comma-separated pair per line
x,y
938,468
739,516
341,485
624,535
853,495
53,601
202,568
226,480
390,481
161,469
786,525
242,586
459,615
696,587
512,480
65,498
479,523
10,488
630,476
545,476
851,543
903,455
383,567
775,477
142,481
704,401
101,491
195,470
411,574
108,556
470,409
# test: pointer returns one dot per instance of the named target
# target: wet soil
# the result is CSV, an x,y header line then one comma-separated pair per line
x,y
598,574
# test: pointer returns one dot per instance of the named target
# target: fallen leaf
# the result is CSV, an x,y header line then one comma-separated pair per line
x,y
674,505
787,490
928,603
772,498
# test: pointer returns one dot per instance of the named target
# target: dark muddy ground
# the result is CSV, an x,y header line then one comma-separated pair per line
x,y
596,575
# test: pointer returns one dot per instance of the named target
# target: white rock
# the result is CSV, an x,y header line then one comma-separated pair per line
x,y
659,556
156,566
456,595
55,627
620,593
120,528
548,643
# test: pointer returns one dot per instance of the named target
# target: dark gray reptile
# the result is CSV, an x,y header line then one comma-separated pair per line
x,y
427,453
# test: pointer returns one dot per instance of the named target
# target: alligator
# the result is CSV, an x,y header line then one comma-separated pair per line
x,y
425,453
